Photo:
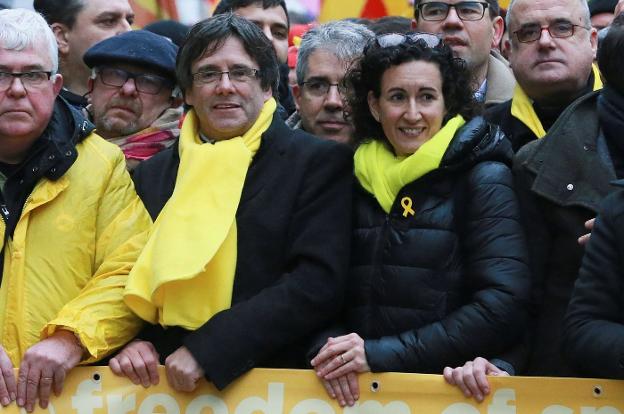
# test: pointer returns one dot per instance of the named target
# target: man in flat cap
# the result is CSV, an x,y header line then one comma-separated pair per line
x,y
601,12
134,101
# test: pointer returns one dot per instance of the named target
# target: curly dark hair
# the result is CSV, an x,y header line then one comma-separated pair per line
x,y
366,74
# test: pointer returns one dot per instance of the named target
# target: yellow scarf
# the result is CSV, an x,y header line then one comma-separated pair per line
x,y
522,107
383,174
185,273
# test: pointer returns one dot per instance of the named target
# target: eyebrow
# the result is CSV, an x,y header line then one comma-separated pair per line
x,y
28,68
113,15
318,79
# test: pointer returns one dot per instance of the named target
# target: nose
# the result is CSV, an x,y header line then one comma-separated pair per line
x,y
452,19
124,26
266,29
16,88
129,87
333,100
545,40
412,113
224,85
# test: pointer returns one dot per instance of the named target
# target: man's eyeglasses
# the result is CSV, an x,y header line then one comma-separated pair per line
x,y
532,32
320,88
30,80
394,39
144,82
236,75
436,11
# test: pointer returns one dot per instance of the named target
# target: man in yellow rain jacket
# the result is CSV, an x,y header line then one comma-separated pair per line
x,y
71,224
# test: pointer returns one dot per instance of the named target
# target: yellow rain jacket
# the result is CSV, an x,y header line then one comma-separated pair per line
x,y
72,249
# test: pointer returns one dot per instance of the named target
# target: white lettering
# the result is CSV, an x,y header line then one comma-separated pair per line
x,y
375,407
118,404
460,408
557,409
601,410
500,400
216,404
273,405
83,401
159,400
312,406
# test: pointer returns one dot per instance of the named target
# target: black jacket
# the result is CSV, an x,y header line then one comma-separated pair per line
x,y
561,181
594,334
449,283
293,223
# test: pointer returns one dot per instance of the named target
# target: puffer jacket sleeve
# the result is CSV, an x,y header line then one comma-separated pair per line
x,y
98,315
496,276
594,326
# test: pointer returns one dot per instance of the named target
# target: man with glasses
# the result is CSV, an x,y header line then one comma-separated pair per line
x,y
72,224
473,29
134,100
78,25
325,54
560,179
552,48
249,253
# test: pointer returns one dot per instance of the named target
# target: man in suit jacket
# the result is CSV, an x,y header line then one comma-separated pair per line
x,y
248,255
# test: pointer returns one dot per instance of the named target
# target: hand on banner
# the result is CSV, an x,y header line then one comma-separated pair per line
x,y
589,225
183,371
44,368
337,364
138,361
8,389
471,378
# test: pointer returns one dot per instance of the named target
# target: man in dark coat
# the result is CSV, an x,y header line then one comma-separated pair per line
x,y
290,202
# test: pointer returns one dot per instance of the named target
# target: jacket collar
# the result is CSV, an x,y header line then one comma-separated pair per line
x,y
568,168
500,80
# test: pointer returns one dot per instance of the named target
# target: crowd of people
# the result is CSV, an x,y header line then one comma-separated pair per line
x,y
441,195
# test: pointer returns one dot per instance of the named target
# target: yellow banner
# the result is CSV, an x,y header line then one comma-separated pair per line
x,y
95,390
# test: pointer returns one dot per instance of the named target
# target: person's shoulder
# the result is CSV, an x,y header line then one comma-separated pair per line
x,y
95,150
497,113
490,172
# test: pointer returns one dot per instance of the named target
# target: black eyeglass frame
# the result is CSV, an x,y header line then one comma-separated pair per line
x,y
448,6
135,77
541,29
20,76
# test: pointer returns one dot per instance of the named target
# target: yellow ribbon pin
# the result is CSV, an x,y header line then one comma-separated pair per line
x,y
406,203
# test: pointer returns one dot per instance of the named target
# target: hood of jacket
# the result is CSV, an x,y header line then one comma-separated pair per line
x,y
475,142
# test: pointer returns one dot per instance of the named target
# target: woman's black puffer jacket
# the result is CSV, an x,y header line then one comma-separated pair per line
x,y
450,282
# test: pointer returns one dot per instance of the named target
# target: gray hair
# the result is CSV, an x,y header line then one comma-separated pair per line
x,y
344,39
22,28
586,15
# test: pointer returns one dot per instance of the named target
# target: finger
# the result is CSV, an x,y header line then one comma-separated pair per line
x,y
150,357
329,389
59,381
584,239
4,393
471,383
589,224
354,386
45,387
333,366
458,378
21,384
338,391
343,370
32,388
482,381
344,386
333,350
9,379
128,369
113,364
448,375
171,378
139,366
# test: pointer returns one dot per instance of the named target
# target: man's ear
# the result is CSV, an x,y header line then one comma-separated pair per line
x,y
60,32
593,38
57,83
296,90
498,28
414,24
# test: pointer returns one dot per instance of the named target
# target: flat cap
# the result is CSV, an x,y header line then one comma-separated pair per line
x,y
601,6
137,47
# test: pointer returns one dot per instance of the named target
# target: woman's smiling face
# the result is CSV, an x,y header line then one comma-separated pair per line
x,y
410,106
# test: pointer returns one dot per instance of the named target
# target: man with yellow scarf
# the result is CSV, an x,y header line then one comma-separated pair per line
x,y
250,246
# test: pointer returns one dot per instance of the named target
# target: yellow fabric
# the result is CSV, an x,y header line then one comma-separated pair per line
x,y
383,174
71,252
185,274
522,107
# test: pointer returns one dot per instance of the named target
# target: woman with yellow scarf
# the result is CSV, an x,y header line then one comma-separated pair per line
x,y
439,271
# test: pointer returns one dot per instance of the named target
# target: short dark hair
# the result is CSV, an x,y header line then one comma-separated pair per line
x,y
493,7
610,57
60,11
367,74
208,36
230,6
